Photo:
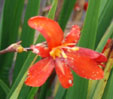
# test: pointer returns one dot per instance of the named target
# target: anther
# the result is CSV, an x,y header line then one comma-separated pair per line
x,y
75,48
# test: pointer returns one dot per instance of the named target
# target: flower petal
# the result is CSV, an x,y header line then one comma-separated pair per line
x,y
85,6
74,35
48,28
64,73
77,7
107,45
40,49
84,66
91,54
39,72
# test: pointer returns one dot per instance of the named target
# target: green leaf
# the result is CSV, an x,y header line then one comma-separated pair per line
x,y
18,88
111,36
44,90
88,38
27,35
102,6
4,87
99,90
15,90
98,84
89,31
104,39
66,11
1,30
93,84
27,38
32,92
108,93
61,92
79,89
10,22
105,19
51,13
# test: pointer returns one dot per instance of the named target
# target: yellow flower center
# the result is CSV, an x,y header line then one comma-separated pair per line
x,y
58,51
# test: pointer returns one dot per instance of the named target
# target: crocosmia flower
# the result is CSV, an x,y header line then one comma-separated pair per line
x,y
85,6
107,44
77,7
61,54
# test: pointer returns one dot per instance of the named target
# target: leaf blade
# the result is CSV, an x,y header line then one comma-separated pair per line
x,y
27,35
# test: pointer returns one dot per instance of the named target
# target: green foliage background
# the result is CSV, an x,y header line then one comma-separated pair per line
x,y
97,29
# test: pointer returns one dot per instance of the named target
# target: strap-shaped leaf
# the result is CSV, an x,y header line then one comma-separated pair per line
x,y
16,88
105,19
27,35
10,21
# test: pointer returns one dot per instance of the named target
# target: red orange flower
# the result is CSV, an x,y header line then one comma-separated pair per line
x,y
107,44
77,7
85,6
62,54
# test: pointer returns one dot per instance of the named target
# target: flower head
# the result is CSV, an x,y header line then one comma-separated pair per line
x,y
77,7
85,6
62,54
106,45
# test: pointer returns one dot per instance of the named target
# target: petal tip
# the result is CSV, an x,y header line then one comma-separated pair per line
x,y
30,83
74,35
50,29
68,85
97,75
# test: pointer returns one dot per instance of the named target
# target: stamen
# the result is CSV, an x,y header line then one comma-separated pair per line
x,y
71,44
55,52
63,54
75,48
58,51
52,54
